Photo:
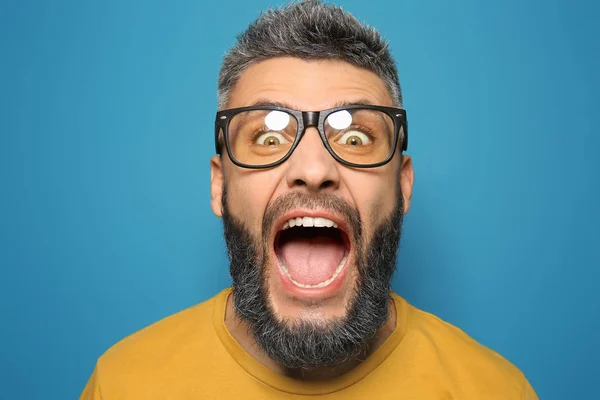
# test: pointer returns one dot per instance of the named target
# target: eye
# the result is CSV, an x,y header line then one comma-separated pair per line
x,y
354,138
271,139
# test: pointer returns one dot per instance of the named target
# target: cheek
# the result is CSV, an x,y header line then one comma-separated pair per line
x,y
248,197
375,197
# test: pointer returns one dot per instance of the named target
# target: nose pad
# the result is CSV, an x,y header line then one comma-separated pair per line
x,y
312,137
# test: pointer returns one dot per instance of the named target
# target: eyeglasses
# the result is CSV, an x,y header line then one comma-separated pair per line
x,y
360,136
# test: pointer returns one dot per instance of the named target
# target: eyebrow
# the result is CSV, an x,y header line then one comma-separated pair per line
x,y
265,102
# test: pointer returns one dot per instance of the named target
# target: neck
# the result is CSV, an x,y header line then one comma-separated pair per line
x,y
241,333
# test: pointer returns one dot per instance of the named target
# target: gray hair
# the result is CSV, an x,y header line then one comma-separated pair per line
x,y
309,30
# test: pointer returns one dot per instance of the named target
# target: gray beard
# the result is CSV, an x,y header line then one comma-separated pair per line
x,y
306,344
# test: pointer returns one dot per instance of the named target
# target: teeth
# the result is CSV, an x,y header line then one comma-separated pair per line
x,y
320,284
318,222
308,221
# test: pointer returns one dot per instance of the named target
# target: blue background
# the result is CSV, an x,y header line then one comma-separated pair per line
x,y
106,131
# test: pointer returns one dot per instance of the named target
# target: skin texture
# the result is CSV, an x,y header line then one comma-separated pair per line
x,y
311,170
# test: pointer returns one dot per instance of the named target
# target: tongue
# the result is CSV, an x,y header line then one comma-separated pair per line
x,y
311,260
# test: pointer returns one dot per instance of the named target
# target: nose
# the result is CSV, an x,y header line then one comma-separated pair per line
x,y
311,167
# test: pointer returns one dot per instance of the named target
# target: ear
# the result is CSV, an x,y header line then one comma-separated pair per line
x,y
407,179
216,185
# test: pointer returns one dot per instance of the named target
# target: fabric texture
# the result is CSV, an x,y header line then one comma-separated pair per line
x,y
192,355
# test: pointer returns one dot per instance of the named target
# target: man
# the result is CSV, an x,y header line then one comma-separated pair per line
x,y
312,184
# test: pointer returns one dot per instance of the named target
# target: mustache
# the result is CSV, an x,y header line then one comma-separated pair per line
x,y
325,201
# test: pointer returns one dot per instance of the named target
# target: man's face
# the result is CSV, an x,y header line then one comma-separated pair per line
x,y
320,279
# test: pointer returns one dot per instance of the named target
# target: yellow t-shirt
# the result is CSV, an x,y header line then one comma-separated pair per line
x,y
192,355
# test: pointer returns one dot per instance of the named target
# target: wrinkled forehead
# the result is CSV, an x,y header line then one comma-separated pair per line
x,y
308,85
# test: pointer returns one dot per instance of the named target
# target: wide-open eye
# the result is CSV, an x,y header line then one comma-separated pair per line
x,y
271,139
362,136
354,138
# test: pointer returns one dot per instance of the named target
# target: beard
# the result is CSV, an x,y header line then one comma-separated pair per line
x,y
309,344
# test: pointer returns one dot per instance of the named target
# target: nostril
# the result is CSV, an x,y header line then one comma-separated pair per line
x,y
299,182
326,184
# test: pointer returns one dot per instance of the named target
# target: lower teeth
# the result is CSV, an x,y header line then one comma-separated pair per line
x,y
320,284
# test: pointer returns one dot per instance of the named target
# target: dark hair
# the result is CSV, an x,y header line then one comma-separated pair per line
x,y
309,30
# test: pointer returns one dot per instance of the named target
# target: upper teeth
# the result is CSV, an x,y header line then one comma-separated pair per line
x,y
318,222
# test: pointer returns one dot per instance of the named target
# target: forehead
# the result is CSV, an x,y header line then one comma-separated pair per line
x,y
308,85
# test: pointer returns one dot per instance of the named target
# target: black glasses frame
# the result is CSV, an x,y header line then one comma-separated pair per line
x,y
305,119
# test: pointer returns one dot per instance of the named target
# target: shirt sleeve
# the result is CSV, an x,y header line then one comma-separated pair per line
x,y
528,392
92,388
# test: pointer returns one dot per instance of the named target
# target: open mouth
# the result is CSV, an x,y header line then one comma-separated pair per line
x,y
312,251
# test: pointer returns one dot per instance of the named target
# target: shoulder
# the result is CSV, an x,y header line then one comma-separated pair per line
x,y
465,364
156,346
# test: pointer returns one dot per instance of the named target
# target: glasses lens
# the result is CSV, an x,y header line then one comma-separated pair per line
x,y
261,137
360,136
